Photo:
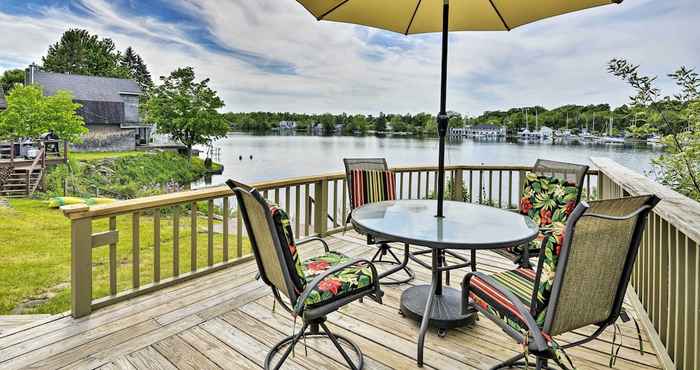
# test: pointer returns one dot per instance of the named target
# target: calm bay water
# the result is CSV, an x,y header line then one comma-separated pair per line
x,y
278,156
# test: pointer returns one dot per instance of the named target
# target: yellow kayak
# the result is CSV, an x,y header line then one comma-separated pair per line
x,y
64,201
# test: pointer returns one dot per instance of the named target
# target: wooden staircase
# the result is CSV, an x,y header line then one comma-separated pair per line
x,y
22,183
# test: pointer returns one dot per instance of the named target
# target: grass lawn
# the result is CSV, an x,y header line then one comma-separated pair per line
x,y
91,156
35,254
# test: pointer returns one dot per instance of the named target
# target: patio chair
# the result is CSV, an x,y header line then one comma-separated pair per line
x,y
580,280
312,288
360,182
570,176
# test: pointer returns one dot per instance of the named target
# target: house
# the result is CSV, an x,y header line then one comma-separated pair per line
x,y
484,130
287,125
109,105
3,102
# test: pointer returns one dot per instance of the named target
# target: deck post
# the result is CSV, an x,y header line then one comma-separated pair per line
x,y
458,186
81,267
320,207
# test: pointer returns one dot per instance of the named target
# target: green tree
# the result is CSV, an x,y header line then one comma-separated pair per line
x,y
137,69
10,78
30,114
677,118
186,109
80,52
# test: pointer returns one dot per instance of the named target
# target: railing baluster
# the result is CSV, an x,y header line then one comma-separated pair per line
x,y
510,189
400,186
418,187
135,249
210,232
307,209
156,245
113,259
335,203
287,197
225,227
345,204
410,184
176,241
471,186
277,196
500,189
239,233
490,187
297,209
193,237
427,184
481,187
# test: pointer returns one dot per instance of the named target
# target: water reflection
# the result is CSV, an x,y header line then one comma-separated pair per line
x,y
282,156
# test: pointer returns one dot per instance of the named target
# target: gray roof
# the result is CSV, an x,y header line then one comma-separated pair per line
x,y
86,88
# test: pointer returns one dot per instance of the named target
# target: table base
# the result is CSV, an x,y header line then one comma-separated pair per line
x,y
446,312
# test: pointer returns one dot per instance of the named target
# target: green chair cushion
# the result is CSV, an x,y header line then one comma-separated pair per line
x,y
345,282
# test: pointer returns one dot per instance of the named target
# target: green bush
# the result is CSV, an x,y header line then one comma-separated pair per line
x,y
125,177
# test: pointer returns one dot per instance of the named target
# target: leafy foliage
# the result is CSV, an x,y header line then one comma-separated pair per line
x,y
30,114
186,109
10,78
676,117
80,52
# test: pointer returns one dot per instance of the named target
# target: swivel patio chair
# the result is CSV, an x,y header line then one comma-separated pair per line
x,y
580,280
370,180
547,180
310,289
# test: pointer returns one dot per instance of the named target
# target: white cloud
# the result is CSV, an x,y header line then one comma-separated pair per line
x,y
338,68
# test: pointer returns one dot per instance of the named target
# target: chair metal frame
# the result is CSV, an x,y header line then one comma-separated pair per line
x,y
383,248
313,318
537,344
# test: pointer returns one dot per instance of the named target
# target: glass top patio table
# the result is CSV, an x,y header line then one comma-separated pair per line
x,y
465,226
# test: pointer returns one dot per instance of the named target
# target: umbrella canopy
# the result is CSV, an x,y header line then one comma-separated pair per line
x,y
422,16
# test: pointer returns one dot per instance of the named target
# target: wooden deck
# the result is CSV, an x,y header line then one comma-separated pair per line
x,y
225,320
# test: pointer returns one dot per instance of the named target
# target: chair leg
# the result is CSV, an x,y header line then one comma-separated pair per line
x,y
290,341
384,249
335,339
519,361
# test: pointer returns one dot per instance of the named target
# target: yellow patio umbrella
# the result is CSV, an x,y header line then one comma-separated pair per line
x,y
422,16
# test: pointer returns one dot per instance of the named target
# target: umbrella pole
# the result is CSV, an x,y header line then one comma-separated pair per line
x,y
442,118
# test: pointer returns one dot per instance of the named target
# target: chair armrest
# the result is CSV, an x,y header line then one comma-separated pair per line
x,y
313,239
535,331
299,306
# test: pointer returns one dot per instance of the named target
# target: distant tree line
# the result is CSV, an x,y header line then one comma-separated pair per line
x,y
594,118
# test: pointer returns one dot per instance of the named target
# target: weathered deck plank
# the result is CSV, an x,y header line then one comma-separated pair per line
x,y
224,320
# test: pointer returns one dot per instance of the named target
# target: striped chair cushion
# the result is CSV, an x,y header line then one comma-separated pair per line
x,y
368,186
521,282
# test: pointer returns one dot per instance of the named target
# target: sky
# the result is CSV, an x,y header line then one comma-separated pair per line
x,y
271,55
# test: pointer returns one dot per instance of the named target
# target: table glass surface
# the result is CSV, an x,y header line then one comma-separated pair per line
x,y
465,225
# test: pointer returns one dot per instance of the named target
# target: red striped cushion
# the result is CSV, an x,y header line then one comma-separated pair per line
x,y
368,186
520,282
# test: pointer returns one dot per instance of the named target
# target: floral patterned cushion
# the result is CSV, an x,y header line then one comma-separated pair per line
x,y
286,236
548,201
338,285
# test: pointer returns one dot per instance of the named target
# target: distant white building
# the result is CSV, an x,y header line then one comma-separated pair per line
x,y
287,125
479,131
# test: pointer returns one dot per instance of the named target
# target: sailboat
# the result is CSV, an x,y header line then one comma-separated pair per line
x,y
610,139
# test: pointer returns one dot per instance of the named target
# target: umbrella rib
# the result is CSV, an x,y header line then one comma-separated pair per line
x,y
412,17
332,10
499,15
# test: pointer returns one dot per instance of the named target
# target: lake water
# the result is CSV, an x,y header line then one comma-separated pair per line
x,y
278,156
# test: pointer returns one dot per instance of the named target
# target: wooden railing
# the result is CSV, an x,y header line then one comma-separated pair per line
x,y
136,246
666,277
